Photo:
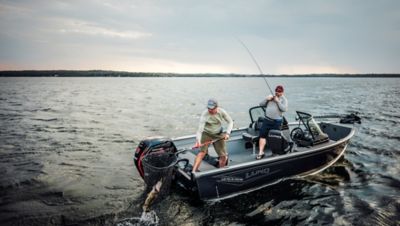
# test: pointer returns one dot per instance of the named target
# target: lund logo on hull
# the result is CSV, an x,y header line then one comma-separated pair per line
x,y
231,179
241,177
256,173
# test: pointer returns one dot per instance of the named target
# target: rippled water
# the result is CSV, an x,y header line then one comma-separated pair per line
x,y
66,147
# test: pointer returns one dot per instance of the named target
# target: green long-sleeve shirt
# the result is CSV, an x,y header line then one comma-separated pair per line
x,y
213,123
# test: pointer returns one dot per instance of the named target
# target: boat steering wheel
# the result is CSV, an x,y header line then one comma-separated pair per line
x,y
297,134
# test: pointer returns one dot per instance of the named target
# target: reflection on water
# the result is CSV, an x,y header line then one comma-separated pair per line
x,y
66,148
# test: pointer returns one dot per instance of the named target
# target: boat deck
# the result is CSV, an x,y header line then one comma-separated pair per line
x,y
238,153
191,156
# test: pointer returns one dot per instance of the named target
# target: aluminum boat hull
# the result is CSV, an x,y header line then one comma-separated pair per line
x,y
244,173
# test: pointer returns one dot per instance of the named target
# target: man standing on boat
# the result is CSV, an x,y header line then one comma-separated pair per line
x,y
275,106
210,131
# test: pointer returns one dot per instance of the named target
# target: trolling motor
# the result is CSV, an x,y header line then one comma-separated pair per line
x,y
351,119
344,119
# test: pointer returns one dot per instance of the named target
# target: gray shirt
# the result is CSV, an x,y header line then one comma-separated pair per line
x,y
275,110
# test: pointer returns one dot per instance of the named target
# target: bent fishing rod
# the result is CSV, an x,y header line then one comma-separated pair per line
x,y
198,146
258,66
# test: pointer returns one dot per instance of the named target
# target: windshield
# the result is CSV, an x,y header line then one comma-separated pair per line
x,y
310,124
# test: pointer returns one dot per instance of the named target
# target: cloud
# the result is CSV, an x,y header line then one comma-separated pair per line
x,y
312,69
164,65
286,37
84,28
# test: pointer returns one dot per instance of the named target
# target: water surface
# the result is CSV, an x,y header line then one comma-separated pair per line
x,y
66,148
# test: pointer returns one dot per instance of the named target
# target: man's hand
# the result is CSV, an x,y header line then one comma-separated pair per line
x,y
197,144
226,136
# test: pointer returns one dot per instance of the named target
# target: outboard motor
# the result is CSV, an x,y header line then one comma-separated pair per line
x,y
278,143
152,145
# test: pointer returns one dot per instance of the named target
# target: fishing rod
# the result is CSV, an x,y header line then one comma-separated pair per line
x,y
258,66
198,146
206,143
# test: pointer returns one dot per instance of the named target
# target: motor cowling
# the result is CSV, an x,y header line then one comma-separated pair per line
x,y
149,145
278,143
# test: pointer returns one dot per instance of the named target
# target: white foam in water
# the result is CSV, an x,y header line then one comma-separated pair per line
x,y
148,218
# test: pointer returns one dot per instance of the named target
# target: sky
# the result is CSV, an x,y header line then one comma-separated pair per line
x,y
188,36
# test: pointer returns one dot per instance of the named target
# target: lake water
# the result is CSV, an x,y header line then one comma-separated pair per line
x,y
66,148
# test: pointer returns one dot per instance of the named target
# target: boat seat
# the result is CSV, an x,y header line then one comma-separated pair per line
x,y
251,137
252,134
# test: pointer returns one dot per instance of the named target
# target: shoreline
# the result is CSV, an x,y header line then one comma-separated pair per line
x,y
101,73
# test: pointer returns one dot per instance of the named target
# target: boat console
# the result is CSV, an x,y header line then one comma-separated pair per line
x,y
307,133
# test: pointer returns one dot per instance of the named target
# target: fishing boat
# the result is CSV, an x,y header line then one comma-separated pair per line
x,y
301,148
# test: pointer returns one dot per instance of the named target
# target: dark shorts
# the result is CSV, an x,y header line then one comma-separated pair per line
x,y
269,124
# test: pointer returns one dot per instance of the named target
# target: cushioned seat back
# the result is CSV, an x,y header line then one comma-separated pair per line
x,y
277,142
253,132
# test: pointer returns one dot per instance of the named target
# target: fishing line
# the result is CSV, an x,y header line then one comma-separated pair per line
x,y
258,66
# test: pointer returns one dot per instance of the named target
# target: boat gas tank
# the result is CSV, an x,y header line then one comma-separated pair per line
x,y
278,143
149,145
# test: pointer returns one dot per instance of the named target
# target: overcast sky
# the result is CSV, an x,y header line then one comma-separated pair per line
x,y
183,36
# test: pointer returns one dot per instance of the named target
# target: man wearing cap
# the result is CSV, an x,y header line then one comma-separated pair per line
x,y
275,106
210,129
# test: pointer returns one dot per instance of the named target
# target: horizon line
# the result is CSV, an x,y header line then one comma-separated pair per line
x,y
181,73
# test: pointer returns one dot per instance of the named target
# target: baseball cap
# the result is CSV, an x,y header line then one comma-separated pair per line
x,y
212,103
279,89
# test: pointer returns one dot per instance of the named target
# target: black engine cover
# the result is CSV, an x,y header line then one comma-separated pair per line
x,y
277,142
150,145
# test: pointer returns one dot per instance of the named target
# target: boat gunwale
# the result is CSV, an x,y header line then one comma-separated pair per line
x,y
275,182
269,160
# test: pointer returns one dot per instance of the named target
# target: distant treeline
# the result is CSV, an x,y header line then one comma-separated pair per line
x,y
100,73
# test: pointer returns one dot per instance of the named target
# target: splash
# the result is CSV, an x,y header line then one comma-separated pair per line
x,y
149,218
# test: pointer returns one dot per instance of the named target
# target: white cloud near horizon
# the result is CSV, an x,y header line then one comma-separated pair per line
x,y
286,37
78,27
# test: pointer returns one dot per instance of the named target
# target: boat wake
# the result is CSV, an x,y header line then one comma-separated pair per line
x,y
147,219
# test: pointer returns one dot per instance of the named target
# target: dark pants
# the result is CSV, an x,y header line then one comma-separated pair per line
x,y
269,124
